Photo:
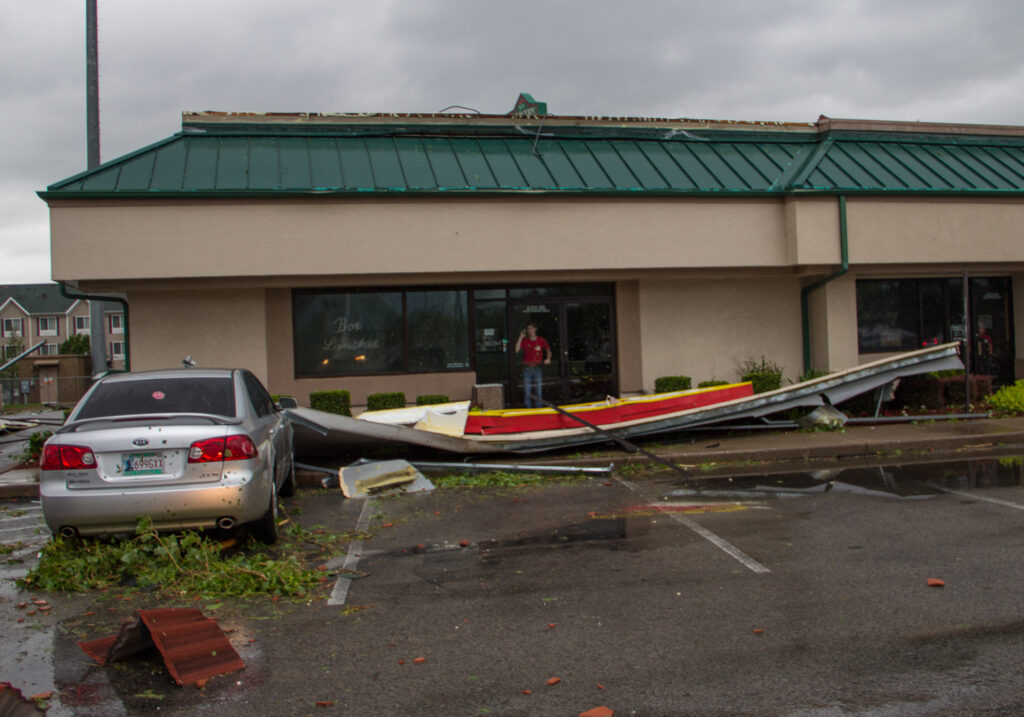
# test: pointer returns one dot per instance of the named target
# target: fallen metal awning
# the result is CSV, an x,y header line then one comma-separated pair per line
x,y
324,433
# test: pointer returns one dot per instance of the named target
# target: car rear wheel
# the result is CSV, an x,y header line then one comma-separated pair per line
x,y
265,529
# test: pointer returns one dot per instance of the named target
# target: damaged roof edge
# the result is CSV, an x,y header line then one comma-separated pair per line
x,y
329,432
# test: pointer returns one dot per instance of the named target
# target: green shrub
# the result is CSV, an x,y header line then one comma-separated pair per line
x,y
429,399
916,392
811,375
667,384
75,344
937,390
712,382
953,388
764,375
1009,399
384,401
339,402
35,445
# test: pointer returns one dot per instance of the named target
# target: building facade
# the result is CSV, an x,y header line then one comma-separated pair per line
x,y
407,253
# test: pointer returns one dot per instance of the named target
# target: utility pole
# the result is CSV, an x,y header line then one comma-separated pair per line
x,y
97,320
92,86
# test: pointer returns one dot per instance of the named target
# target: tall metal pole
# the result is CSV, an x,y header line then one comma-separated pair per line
x,y
92,86
97,329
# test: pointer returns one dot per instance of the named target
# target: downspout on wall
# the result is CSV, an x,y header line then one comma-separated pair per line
x,y
805,312
114,299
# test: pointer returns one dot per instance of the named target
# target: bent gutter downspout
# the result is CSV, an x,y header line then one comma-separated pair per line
x,y
114,299
844,253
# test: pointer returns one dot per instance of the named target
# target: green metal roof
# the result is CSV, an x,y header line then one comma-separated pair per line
x,y
36,299
258,160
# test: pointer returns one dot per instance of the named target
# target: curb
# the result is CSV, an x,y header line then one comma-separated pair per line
x,y
794,457
19,490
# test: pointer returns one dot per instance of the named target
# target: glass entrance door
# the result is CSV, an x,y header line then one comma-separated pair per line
x,y
546,315
580,335
590,368
991,323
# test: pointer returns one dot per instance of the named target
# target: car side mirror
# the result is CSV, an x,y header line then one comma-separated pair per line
x,y
287,402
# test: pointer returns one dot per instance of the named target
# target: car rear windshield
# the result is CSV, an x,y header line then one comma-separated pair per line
x,y
161,395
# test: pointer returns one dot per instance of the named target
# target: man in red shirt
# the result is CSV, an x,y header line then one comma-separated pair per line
x,y
535,351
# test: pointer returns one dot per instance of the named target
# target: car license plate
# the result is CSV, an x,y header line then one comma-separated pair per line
x,y
143,464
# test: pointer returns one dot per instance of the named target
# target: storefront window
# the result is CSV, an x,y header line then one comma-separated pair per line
x,y
348,334
361,333
888,315
904,314
438,330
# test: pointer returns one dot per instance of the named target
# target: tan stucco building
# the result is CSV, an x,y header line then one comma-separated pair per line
x,y
405,253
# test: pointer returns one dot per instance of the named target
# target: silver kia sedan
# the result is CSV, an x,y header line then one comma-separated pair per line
x,y
189,448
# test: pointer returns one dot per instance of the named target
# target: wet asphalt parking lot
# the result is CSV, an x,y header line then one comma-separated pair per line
x,y
767,595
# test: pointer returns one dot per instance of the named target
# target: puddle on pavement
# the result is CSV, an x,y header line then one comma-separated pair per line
x,y
615,533
900,480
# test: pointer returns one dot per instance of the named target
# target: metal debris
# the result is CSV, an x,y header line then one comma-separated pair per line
x,y
194,647
823,417
365,478
14,704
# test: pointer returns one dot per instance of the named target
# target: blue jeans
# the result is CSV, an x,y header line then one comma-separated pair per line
x,y
532,377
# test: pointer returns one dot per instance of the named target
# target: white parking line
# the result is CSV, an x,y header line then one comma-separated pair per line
x,y
703,532
26,529
5,519
975,496
355,551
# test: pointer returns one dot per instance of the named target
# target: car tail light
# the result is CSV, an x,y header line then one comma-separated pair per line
x,y
231,448
57,458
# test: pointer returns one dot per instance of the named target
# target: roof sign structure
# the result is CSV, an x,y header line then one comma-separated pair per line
x,y
526,106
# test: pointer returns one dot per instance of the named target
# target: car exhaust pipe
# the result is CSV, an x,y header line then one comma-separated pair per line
x,y
226,523
68,532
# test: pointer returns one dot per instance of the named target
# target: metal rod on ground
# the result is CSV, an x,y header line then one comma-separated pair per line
x,y
482,467
317,469
630,447
866,420
512,467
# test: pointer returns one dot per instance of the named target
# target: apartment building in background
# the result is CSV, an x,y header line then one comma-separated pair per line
x,y
34,313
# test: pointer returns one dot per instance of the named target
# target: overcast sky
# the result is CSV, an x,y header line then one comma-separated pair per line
x,y
933,60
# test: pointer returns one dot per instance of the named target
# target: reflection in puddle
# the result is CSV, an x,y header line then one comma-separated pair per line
x,y
908,481
627,532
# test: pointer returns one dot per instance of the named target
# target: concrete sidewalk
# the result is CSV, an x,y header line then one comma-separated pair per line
x,y
760,451
791,449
